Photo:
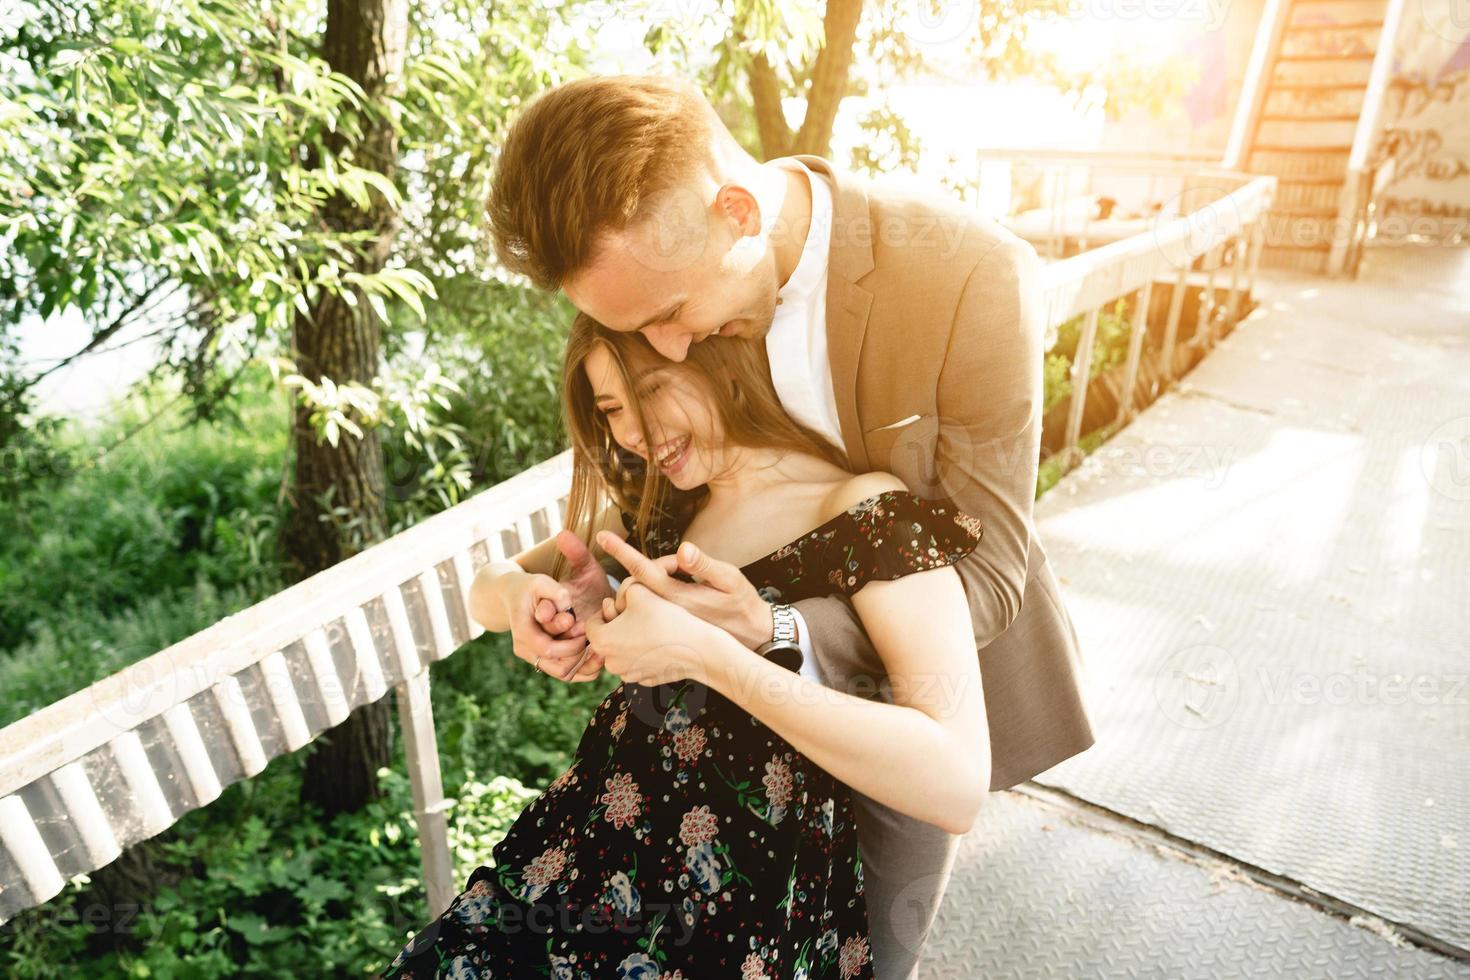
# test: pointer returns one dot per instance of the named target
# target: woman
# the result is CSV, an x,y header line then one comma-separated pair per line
x,y
705,828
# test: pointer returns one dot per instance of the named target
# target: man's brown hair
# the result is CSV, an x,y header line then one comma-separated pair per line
x,y
585,158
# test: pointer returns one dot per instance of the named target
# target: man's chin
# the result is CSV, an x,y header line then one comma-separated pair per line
x,y
749,329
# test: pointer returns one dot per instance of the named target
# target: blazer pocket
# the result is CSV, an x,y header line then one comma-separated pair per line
x,y
905,449
896,425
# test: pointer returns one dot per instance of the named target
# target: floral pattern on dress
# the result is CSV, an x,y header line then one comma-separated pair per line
x,y
687,839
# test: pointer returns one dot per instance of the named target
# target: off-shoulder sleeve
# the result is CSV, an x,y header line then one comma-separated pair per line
x,y
894,534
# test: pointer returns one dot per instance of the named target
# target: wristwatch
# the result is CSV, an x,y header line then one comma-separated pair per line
x,y
783,646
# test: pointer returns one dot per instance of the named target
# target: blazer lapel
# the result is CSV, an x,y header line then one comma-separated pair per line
x,y
848,304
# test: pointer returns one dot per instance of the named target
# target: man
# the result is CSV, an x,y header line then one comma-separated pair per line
x,y
906,328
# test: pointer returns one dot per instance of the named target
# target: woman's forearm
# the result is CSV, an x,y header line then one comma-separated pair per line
x,y
895,754
488,603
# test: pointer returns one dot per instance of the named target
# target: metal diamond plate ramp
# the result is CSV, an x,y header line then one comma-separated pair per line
x,y
1034,894
1268,572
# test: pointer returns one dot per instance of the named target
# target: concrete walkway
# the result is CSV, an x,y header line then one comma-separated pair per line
x,y
1268,570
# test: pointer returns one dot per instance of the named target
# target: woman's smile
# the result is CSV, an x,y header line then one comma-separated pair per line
x,y
674,455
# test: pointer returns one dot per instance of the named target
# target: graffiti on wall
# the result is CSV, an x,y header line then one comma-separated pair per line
x,y
1428,108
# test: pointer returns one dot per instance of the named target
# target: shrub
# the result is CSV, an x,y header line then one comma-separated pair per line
x,y
270,889
148,518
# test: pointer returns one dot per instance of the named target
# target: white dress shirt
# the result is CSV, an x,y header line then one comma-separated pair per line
x,y
797,342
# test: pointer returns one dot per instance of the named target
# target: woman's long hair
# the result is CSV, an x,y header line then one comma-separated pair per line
x,y
733,374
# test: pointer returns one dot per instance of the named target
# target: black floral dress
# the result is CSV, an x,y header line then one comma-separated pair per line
x,y
688,840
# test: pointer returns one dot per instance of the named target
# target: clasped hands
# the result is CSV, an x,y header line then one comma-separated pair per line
x,y
655,629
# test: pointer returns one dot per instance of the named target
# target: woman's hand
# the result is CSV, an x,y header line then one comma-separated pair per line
x,y
721,595
553,641
651,640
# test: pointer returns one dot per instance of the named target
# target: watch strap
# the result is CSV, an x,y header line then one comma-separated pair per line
x,y
783,647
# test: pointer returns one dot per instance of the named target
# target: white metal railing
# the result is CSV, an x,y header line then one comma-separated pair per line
x,y
1217,228
127,757
1067,186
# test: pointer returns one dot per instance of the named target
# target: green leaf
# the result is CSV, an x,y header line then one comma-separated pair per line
x,y
254,929
382,184
320,890
68,57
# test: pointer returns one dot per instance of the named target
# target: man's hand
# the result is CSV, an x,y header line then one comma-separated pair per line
x,y
541,625
722,596
650,641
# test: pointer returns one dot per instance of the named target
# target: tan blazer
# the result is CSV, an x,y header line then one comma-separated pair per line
x,y
935,334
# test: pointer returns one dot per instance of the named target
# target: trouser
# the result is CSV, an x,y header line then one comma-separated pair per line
x,y
906,867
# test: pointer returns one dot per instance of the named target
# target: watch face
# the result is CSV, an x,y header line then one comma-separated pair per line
x,y
788,657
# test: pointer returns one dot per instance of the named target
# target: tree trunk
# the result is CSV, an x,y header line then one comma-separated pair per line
x,y
339,490
825,90
829,76
770,119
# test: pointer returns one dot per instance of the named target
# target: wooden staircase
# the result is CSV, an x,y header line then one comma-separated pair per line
x,y
1309,115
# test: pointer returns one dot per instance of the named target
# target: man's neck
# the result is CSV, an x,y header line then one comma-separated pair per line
x,y
793,220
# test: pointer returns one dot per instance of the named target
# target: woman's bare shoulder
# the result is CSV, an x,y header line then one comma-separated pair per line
x,y
856,489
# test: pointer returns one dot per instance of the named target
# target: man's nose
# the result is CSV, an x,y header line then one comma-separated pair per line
x,y
672,344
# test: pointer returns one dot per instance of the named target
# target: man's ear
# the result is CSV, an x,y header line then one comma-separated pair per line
x,y
739,205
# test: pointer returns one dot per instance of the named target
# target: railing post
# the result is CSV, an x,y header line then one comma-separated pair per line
x,y
1137,328
1238,245
1258,245
421,751
1204,324
1081,374
1171,326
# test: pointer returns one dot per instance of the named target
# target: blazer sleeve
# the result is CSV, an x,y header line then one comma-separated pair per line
x,y
987,454
989,443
